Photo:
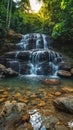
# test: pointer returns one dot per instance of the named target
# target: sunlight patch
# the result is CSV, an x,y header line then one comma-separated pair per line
x,y
35,5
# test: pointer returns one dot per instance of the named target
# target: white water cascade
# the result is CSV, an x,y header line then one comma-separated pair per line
x,y
33,56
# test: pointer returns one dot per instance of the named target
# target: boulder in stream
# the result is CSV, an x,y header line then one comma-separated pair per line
x,y
10,73
64,73
52,81
64,103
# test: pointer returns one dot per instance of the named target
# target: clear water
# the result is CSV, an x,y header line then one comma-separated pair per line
x,y
32,82
30,85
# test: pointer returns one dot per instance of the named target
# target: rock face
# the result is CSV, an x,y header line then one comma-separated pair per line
x,y
64,103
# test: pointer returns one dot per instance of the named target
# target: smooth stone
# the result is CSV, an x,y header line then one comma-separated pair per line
x,y
5,93
25,100
64,73
5,96
2,100
1,91
67,90
33,95
17,95
51,81
50,95
57,93
41,104
64,103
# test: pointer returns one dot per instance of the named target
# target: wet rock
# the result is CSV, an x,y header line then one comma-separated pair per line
x,y
10,55
33,95
13,64
5,96
2,68
1,91
49,122
24,100
24,55
61,127
51,81
25,126
9,107
64,73
7,72
17,95
13,115
16,123
41,104
64,103
58,93
2,100
65,66
10,73
67,90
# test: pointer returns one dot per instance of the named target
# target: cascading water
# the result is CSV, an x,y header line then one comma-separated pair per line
x,y
33,56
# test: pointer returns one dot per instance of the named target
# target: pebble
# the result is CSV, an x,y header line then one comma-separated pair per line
x,y
2,100
57,93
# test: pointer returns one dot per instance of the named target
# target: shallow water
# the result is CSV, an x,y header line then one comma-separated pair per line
x,y
36,95
32,82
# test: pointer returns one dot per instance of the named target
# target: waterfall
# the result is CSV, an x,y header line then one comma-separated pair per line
x,y
45,42
33,56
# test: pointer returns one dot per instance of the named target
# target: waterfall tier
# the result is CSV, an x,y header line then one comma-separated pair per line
x,y
34,56
34,41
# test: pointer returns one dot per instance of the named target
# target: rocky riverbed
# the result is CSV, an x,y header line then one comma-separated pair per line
x,y
49,108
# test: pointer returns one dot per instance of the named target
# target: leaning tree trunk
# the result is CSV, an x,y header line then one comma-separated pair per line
x,y
8,18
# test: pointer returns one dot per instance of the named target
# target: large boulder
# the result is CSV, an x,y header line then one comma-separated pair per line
x,y
64,73
2,68
9,72
64,103
51,81
13,116
65,66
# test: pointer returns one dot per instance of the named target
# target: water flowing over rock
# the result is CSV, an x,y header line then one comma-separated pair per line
x,y
33,56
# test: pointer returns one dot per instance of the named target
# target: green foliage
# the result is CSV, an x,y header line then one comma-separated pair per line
x,y
2,18
58,30
55,18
